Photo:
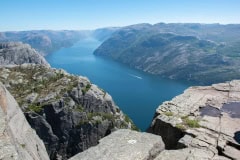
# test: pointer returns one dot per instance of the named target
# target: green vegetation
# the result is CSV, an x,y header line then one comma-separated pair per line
x,y
168,113
188,55
180,126
82,122
23,145
191,123
38,79
79,108
35,108
37,86
128,120
84,90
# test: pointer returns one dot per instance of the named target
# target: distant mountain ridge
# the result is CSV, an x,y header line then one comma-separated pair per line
x,y
48,41
201,53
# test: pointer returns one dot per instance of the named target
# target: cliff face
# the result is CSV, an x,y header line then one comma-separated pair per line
x,y
17,139
203,123
16,53
68,112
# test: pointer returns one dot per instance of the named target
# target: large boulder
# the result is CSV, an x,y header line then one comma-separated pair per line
x,y
17,139
124,145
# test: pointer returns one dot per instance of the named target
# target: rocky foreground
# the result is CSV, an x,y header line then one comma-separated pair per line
x,y
68,112
204,121
200,124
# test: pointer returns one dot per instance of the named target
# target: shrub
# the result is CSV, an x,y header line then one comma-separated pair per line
x,y
79,108
180,126
35,108
168,113
191,123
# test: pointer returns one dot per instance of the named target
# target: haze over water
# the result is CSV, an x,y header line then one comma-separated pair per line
x,y
138,94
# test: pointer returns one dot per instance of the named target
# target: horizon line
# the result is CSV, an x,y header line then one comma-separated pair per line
x,y
92,29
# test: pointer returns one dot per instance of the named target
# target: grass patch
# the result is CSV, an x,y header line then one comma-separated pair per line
x,y
191,123
23,145
79,108
181,127
35,108
133,126
168,113
84,90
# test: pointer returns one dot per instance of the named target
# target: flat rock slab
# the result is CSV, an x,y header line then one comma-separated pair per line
x,y
206,117
189,154
124,145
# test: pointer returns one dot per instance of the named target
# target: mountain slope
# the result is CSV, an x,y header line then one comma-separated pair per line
x,y
16,53
177,51
48,41
68,112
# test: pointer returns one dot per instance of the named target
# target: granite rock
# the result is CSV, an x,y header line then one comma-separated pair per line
x,y
16,53
68,112
202,118
17,139
124,145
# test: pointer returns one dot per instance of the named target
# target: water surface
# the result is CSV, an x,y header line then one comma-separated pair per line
x,y
137,93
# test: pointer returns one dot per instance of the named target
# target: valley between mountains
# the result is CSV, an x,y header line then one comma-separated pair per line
x,y
48,113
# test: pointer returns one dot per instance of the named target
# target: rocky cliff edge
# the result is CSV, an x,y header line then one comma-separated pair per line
x,y
17,139
124,145
202,123
68,112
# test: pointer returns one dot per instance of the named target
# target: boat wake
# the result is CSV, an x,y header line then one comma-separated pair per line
x,y
135,76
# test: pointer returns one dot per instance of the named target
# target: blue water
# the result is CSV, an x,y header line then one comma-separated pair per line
x,y
137,93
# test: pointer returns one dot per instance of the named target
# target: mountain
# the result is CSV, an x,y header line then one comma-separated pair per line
x,y
102,34
201,53
17,139
16,53
44,41
48,41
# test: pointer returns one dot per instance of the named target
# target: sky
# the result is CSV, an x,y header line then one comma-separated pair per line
x,y
16,15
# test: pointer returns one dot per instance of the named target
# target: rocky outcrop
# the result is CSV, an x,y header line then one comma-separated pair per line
x,y
68,112
124,145
202,123
17,139
16,53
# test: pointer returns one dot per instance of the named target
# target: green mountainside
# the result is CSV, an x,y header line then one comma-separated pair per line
x,y
201,53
